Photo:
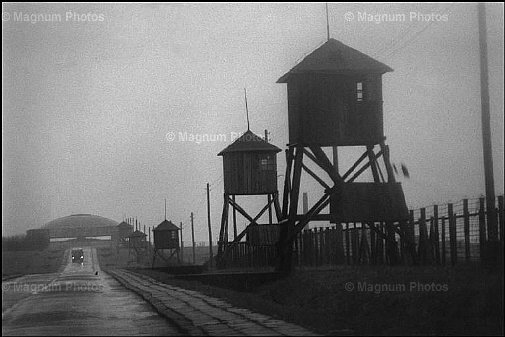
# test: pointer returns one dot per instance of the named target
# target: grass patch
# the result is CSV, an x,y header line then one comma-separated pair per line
x,y
31,262
464,300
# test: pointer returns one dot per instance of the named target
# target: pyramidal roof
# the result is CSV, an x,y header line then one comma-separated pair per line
x,y
249,142
124,224
166,225
334,57
137,233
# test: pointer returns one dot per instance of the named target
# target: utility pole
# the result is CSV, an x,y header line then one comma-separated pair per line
x,y
193,237
486,129
269,198
148,243
210,229
182,246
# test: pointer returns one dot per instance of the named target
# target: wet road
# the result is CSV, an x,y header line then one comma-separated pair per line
x,y
77,302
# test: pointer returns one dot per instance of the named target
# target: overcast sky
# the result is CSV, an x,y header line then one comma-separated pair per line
x,y
87,105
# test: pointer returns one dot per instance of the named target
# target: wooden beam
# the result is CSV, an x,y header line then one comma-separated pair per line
x,y
353,167
324,162
362,169
313,175
373,163
234,217
224,223
322,203
277,206
242,211
252,221
284,245
287,183
387,162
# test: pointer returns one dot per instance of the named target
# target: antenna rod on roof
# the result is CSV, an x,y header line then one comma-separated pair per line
x,y
165,208
246,109
327,23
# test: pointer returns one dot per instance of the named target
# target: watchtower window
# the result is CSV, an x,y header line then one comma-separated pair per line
x,y
359,92
267,163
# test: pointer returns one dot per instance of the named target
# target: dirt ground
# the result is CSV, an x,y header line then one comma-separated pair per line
x,y
464,300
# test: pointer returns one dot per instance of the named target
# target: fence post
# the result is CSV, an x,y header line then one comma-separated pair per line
x,y
466,219
482,228
313,241
421,251
500,215
327,245
373,245
437,234
443,241
347,244
380,244
297,249
412,237
452,234
364,251
355,244
322,245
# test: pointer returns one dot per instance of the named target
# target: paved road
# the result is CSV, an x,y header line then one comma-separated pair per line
x,y
77,302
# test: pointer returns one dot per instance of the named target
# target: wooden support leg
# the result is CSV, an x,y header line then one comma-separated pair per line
x,y
287,183
373,163
269,200
224,230
234,219
277,207
387,162
285,249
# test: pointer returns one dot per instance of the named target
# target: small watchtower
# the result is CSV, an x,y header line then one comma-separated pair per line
x,y
249,168
137,244
166,235
166,238
123,232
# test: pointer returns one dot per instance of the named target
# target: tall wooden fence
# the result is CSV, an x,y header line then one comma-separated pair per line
x,y
441,234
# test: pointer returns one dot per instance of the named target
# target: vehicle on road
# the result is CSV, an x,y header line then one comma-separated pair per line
x,y
77,255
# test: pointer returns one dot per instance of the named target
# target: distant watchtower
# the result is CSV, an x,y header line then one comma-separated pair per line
x,y
335,99
249,168
166,237
123,232
137,245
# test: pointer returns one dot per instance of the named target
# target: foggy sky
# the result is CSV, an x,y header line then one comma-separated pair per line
x,y
87,105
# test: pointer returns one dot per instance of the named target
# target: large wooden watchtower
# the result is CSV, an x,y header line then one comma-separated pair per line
x,y
335,99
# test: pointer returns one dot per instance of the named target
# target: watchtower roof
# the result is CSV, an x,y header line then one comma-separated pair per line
x,y
137,234
166,225
249,142
334,57
124,224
